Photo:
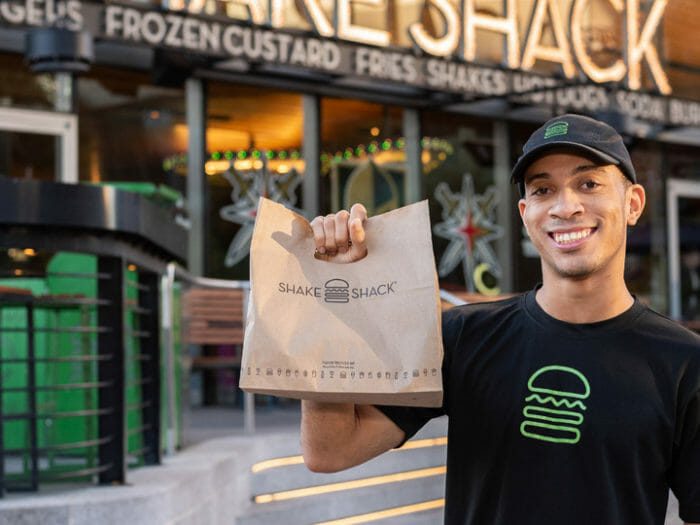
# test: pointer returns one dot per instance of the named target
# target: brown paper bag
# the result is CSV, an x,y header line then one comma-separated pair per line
x,y
366,332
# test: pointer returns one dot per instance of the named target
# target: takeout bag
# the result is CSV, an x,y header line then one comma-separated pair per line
x,y
366,332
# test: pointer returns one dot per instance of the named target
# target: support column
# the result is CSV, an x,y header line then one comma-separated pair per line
x,y
111,346
196,118
413,190
150,366
66,85
312,154
504,210
65,102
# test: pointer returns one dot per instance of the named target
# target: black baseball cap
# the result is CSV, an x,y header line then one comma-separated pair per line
x,y
592,138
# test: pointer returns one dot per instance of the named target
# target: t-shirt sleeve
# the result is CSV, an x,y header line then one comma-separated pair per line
x,y
685,473
410,419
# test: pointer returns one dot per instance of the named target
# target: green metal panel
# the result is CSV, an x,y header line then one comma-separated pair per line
x,y
13,345
72,343
65,331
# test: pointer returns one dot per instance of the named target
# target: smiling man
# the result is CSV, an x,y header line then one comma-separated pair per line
x,y
573,403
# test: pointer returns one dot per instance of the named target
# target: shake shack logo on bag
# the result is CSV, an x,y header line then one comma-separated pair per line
x,y
363,332
338,290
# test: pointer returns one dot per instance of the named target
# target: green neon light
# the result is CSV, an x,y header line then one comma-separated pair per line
x,y
555,416
578,374
553,424
573,439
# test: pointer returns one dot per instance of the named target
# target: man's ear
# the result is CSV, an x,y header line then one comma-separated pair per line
x,y
521,207
636,199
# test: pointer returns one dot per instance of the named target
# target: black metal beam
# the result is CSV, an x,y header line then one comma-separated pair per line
x,y
150,367
112,425
31,393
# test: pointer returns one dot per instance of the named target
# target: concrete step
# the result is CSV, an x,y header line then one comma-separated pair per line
x,y
297,476
326,507
426,517
319,507
287,477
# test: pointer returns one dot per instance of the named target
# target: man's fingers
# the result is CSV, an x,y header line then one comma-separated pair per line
x,y
329,230
319,234
342,235
358,249
358,211
358,216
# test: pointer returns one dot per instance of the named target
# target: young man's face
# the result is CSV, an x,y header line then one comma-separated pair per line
x,y
577,214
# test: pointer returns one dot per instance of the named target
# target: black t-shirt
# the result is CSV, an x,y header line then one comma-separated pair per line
x,y
553,423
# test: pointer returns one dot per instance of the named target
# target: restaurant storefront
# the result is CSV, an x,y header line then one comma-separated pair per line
x,y
319,104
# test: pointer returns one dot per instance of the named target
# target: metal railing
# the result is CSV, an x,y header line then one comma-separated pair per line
x,y
174,273
80,391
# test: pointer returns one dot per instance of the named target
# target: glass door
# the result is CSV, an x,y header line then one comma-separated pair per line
x,y
683,220
38,145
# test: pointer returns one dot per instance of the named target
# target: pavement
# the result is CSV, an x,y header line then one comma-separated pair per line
x,y
205,423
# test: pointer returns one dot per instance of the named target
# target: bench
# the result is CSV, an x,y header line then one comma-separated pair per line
x,y
214,317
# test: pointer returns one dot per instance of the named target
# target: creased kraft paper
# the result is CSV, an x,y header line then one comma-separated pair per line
x,y
364,332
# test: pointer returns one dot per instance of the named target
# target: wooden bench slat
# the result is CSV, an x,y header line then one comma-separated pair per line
x,y
213,316
216,361
219,314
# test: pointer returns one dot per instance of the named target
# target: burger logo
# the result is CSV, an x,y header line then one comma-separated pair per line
x,y
336,291
554,406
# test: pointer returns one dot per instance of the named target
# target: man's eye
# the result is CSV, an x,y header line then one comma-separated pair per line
x,y
539,191
590,185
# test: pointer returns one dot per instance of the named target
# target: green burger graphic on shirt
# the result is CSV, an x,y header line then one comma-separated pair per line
x,y
554,405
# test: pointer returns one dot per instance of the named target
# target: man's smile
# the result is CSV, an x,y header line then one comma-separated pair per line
x,y
571,237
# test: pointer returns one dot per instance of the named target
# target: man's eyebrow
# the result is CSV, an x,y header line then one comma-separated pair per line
x,y
586,167
529,179
583,168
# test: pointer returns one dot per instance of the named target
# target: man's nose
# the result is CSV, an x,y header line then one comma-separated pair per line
x,y
566,204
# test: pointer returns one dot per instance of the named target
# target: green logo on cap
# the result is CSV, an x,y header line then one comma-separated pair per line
x,y
557,128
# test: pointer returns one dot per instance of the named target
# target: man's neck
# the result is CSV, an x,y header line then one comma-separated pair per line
x,y
584,301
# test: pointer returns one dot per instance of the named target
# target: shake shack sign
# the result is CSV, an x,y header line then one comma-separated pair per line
x,y
337,46
338,290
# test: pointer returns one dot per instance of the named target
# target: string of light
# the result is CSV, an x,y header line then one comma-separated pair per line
x,y
358,152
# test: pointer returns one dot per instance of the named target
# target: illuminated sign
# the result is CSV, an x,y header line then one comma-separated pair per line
x,y
638,46
339,47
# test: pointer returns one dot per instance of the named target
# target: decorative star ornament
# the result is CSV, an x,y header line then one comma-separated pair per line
x,y
468,222
247,188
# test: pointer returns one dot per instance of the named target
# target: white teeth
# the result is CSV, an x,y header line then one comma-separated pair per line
x,y
565,238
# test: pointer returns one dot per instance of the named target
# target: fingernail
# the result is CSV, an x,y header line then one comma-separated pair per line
x,y
321,250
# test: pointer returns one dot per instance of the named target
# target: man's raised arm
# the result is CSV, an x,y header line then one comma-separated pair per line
x,y
336,436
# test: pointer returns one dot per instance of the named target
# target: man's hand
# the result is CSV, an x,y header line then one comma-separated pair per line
x,y
340,237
